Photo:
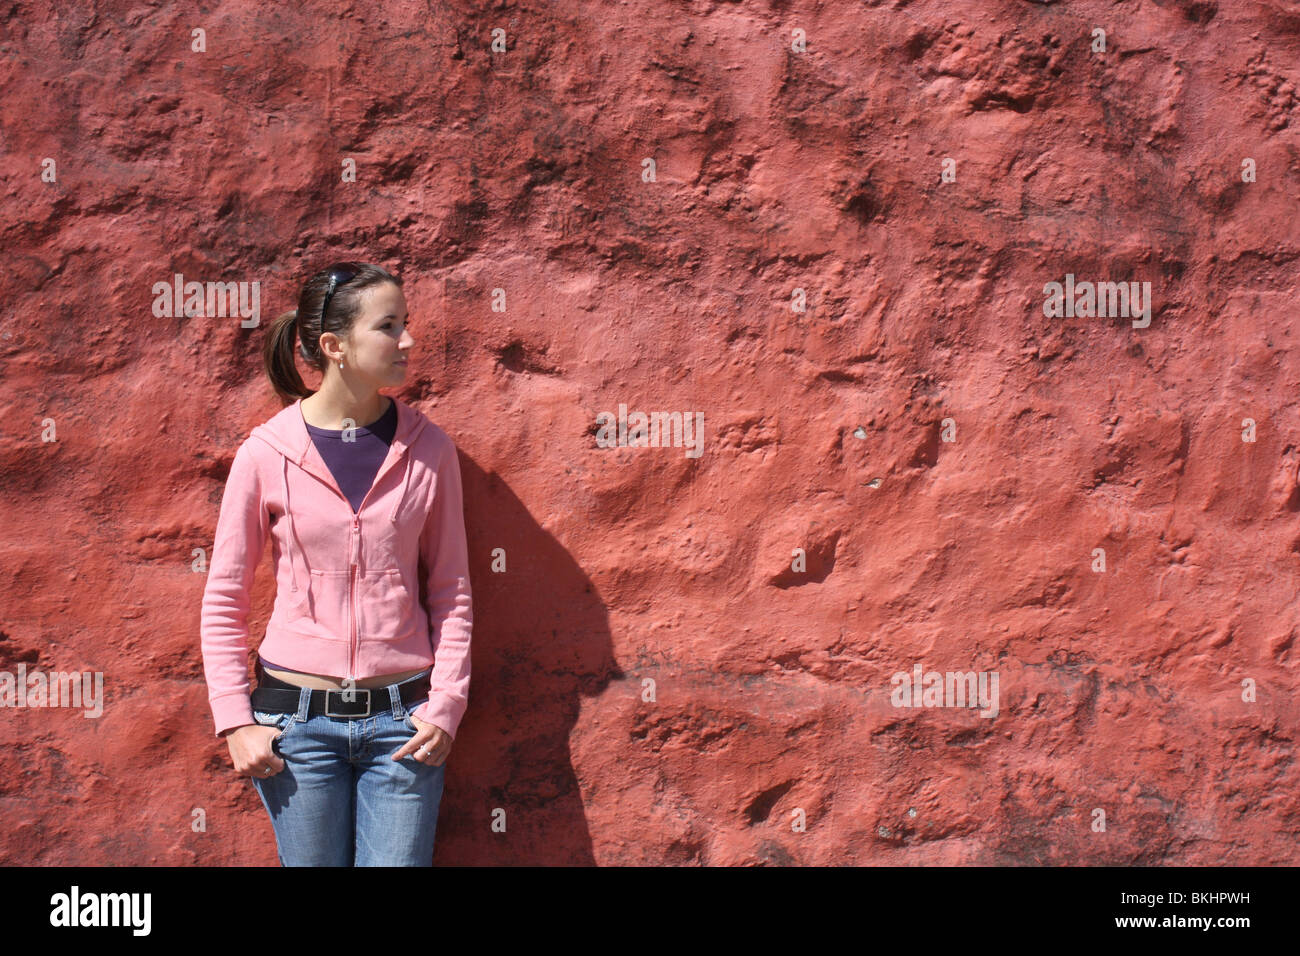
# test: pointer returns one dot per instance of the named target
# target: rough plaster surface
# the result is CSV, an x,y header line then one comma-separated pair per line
x,y
775,170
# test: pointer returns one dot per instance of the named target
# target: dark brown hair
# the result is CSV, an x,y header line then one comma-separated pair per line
x,y
306,324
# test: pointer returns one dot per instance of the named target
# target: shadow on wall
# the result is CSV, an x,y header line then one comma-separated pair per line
x,y
541,641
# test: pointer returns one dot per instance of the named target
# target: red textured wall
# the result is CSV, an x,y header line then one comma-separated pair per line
x,y
947,456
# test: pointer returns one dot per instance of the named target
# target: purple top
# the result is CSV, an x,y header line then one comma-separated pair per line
x,y
354,464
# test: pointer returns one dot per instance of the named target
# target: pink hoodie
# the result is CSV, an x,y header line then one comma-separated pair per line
x,y
383,590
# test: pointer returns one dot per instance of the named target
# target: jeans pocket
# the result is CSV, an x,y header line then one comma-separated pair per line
x,y
408,722
274,718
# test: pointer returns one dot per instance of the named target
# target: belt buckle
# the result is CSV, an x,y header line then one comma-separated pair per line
x,y
355,690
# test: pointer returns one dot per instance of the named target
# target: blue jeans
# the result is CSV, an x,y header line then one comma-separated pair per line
x,y
341,800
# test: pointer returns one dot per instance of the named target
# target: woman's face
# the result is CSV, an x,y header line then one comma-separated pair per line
x,y
378,346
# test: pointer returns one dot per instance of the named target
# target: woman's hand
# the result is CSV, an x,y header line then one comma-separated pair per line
x,y
430,745
251,753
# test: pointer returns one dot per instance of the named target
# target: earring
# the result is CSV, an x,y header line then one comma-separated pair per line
x,y
340,364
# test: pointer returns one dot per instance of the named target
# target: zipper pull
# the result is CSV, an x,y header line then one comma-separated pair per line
x,y
356,540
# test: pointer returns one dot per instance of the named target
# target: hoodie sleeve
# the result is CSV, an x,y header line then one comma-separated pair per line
x,y
447,595
236,550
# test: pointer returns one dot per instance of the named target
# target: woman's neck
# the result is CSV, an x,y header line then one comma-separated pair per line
x,y
324,410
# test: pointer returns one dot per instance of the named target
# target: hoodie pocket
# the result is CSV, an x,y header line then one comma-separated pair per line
x,y
327,605
385,605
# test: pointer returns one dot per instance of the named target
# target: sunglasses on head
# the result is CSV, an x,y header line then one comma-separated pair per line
x,y
337,278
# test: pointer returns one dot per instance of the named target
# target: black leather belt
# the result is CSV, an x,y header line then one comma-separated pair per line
x,y
277,696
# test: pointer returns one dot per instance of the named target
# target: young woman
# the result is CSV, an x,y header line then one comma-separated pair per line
x,y
363,674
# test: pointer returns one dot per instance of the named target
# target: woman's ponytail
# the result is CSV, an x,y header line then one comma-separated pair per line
x,y
277,354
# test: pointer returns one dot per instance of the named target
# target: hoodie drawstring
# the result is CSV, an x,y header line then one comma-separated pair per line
x,y
284,484
392,515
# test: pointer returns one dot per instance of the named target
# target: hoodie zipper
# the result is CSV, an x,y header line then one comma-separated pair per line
x,y
354,638
354,554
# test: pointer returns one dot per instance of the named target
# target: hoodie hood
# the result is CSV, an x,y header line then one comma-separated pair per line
x,y
286,432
